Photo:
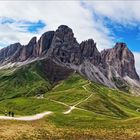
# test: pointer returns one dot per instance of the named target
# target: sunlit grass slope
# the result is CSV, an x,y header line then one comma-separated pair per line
x,y
111,102
25,81
69,91
100,112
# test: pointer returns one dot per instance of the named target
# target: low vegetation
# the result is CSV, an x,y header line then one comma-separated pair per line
x,y
100,113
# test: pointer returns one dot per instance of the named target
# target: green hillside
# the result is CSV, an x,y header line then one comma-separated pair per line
x,y
26,81
30,80
22,86
96,107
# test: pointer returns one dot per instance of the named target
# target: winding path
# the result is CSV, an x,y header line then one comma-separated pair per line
x,y
27,118
41,115
74,106
138,110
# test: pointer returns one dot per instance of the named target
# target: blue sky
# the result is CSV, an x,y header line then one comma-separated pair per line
x,y
107,22
28,26
128,34
33,27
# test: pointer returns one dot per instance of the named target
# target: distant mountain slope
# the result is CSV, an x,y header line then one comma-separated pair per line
x,y
114,67
32,79
100,101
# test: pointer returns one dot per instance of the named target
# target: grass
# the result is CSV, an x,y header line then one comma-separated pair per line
x,y
112,103
26,81
47,129
30,106
68,92
107,114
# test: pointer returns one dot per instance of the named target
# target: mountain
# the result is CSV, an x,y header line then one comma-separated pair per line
x,y
121,59
31,79
113,67
90,93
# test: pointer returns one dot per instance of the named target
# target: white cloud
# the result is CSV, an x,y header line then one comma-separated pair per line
x,y
123,12
79,17
137,61
14,32
55,13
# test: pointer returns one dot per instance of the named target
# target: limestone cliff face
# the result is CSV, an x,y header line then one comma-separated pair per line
x,y
10,53
121,59
27,51
89,52
43,44
62,47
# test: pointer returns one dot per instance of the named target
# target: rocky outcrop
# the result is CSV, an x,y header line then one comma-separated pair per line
x,y
43,44
53,71
64,47
19,53
9,53
93,73
26,51
121,60
89,52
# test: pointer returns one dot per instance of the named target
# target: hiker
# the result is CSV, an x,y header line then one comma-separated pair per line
x,y
5,113
12,114
9,113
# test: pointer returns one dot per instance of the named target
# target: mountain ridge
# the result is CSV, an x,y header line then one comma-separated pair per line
x,y
109,67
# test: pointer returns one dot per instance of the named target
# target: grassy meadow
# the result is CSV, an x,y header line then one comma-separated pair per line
x,y
101,113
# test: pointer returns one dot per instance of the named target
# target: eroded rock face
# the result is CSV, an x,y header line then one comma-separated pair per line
x,y
18,53
121,59
55,72
43,44
64,47
26,51
89,52
10,53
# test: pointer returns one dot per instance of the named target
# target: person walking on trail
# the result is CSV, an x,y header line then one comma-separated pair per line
x,y
5,113
13,114
9,113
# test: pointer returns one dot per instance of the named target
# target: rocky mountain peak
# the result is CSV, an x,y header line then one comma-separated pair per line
x,y
121,60
7,53
64,29
44,43
33,41
120,45
65,34
64,46
122,51
89,51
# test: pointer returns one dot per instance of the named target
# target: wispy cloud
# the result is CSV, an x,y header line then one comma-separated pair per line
x,y
32,27
53,14
137,59
12,30
88,19
123,12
